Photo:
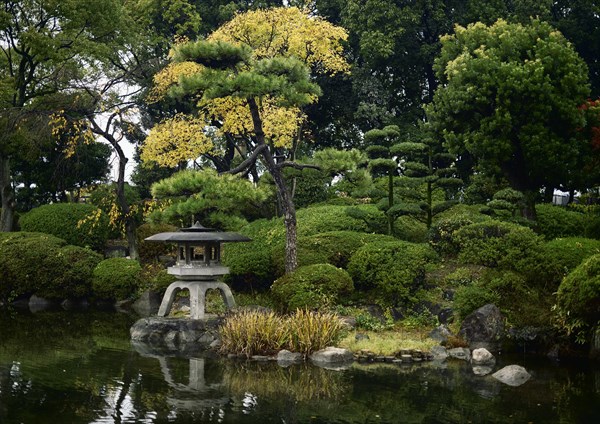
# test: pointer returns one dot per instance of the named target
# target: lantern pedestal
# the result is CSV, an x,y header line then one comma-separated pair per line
x,y
197,291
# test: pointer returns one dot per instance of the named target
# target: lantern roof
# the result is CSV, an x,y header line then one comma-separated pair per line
x,y
197,233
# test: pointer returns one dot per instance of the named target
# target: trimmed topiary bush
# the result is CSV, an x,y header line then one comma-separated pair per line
x,y
150,251
37,263
321,219
74,277
563,255
578,298
116,279
393,269
442,234
334,247
498,244
556,221
76,223
312,286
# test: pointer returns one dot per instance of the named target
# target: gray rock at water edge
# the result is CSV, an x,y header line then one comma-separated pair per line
x,y
482,370
440,333
286,357
460,353
38,304
513,375
483,328
332,355
482,356
439,353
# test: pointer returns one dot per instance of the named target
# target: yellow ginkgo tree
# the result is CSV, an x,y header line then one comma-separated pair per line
x,y
250,80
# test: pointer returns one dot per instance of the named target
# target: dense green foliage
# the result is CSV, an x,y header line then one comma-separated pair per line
x,y
503,245
563,255
579,297
41,264
555,221
149,251
250,263
312,287
392,270
116,279
334,247
79,224
321,219
509,98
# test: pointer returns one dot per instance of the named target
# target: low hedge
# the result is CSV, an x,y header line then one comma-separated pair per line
x,y
394,270
312,286
325,218
78,224
41,264
116,279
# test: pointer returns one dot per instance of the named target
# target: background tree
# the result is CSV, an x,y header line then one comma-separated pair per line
x,y
509,97
43,46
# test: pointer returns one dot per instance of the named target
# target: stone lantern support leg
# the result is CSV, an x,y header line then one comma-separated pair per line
x,y
197,291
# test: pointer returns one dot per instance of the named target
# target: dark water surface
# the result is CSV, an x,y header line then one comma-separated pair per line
x,y
80,367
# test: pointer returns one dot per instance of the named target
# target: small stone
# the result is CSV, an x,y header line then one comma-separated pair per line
x,y
397,361
406,358
513,375
380,358
439,353
331,355
389,359
416,359
259,358
289,357
440,333
361,336
482,356
460,353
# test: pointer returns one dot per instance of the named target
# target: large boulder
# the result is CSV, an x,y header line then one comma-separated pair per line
x,y
175,335
513,375
483,328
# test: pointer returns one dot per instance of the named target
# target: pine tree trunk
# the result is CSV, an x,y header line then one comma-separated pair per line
x,y
8,196
283,195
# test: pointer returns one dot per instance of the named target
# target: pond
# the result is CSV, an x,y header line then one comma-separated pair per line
x,y
80,367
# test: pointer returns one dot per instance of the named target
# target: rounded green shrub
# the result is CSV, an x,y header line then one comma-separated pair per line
x,y
563,255
578,298
41,264
116,279
250,263
78,224
149,251
334,247
442,234
154,277
74,278
556,221
393,269
498,244
325,218
312,286
408,228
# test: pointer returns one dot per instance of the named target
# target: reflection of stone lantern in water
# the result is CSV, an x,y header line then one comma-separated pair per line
x,y
198,266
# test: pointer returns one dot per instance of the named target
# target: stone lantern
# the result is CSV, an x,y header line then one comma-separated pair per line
x,y
198,266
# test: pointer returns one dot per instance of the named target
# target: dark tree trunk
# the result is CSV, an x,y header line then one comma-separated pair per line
x,y
283,195
8,196
130,224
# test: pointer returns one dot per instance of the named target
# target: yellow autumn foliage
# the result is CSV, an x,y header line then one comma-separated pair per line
x,y
288,31
176,140
276,32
